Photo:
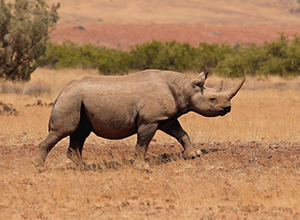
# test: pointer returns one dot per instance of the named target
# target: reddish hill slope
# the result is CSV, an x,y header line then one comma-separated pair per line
x,y
119,24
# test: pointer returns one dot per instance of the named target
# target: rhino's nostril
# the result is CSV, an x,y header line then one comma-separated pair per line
x,y
227,109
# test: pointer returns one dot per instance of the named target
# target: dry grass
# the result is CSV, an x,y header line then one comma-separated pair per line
x,y
253,175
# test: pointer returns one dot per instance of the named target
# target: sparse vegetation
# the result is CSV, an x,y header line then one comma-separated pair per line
x,y
79,27
7,109
166,56
71,55
281,57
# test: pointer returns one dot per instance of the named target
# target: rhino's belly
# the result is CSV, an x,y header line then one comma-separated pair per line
x,y
111,116
111,124
113,130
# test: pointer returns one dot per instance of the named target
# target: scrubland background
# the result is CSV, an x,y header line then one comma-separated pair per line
x,y
249,168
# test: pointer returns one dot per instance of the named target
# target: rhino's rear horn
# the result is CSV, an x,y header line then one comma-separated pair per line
x,y
218,87
233,91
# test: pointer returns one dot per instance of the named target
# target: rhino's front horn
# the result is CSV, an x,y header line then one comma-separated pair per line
x,y
233,91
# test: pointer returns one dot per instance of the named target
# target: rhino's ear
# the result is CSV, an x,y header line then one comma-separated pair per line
x,y
218,87
200,80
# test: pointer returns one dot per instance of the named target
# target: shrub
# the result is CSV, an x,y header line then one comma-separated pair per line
x,y
24,28
244,61
280,57
71,55
113,61
68,54
211,54
292,65
166,56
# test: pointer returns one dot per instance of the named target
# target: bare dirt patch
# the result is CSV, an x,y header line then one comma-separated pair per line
x,y
232,180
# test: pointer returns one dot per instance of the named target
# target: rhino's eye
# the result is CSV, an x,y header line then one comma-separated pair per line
x,y
213,100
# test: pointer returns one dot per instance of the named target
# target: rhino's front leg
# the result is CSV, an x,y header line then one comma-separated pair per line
x,y
175,130
145,133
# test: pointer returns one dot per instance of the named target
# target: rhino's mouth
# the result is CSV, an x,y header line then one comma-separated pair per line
x,y
225,111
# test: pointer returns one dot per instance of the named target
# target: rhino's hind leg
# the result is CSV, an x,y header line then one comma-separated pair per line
x,y
77,139
45,146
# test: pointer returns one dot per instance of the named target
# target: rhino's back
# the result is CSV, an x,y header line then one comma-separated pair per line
x,y
132,83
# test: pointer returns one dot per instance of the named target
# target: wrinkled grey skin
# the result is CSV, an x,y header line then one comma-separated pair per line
x,y
116,107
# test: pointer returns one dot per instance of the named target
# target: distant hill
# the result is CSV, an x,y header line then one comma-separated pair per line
x,y
179,12
121,24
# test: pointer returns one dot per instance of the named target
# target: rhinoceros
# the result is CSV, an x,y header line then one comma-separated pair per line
x,y
115,107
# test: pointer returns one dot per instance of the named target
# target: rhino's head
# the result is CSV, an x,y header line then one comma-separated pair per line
x,y
211,102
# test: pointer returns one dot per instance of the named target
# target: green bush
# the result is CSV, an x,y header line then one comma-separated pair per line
x,y
113,61
211,54
71,55
281,57
293,63
244,61
166,56
144,56
24,28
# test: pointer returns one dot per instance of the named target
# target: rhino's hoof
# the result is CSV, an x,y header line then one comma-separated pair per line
x,y
37,161
191,155
198,152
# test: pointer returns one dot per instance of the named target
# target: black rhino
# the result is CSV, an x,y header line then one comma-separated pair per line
x,y
116,107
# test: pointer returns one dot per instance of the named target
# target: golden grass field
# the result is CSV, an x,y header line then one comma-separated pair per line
x,y
249,168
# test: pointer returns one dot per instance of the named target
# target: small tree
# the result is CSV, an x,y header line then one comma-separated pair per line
x,y
24,28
